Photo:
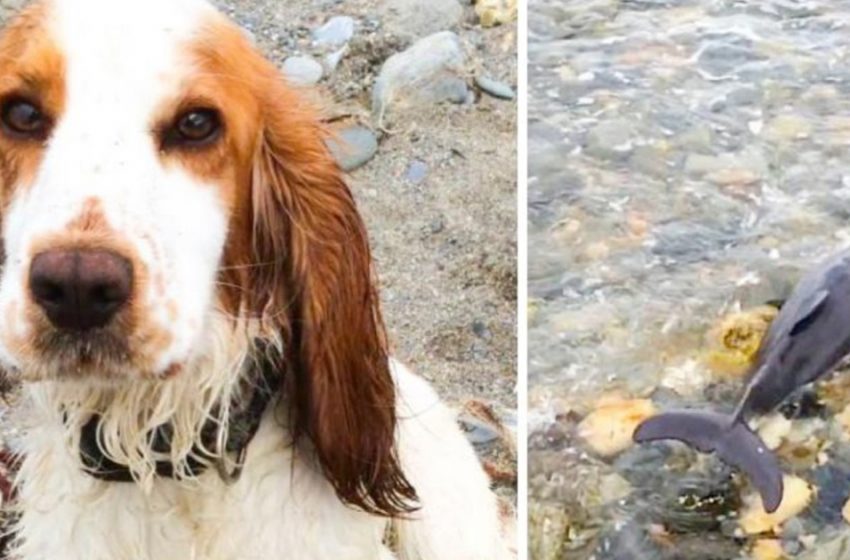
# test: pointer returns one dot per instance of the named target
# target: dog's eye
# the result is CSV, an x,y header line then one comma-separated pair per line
x,y
23,119
195,127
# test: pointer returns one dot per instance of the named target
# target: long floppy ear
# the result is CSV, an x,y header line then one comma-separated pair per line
x,y
315,286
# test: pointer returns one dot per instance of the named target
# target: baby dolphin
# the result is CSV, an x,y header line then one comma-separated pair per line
x,y
807,339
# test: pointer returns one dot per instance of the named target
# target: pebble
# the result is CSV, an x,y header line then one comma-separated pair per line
x,y
717,104
744,95
548,527
721,59
732,344
608,429
734,177
613,487
481,330
611,140
428,72
796,497
573,18
832,480
437,226
596,251
773,429
337,31
843,419
495,88
332,60
832,547
302,70
784,128
651,160
495,12
687,379
699,165
477,431
698,139
353,147
845,512
767,549
416,171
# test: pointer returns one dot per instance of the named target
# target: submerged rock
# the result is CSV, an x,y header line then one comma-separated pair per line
x,y
732,344
696,502
796,497
719,59
611,140
773,429
628,540
548,526
608,429
767,549
833,483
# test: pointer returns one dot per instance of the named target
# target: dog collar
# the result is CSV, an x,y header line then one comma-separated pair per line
x,y
242,426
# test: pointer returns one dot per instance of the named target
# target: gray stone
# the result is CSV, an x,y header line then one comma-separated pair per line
x,y
302,70
353,147
495,88
651,161
611,140
437,225
751,161
697,139
717,104
744,95
416,171
481,330
566,19
790,9
337,31
477,431
428,72
411,19
332,60
721,59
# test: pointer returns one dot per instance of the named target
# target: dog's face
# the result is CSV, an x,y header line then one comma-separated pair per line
x,y
161,188
126,163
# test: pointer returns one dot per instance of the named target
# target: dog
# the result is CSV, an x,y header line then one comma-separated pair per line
x,y
188,301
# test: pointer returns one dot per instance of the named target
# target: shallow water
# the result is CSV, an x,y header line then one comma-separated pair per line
x,y
687,159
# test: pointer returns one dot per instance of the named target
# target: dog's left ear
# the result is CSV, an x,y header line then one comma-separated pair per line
x,y
314,285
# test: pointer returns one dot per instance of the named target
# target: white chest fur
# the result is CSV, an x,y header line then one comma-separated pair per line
x,y
280,508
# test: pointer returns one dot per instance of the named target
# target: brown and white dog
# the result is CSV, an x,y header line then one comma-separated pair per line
x,y
187,296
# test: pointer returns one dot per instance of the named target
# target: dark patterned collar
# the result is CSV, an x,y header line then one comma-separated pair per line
x,y
242,426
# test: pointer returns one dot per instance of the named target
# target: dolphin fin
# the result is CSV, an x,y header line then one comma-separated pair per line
x,y
732,441
809,312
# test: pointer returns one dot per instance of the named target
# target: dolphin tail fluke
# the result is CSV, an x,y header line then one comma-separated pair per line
x,y
732,441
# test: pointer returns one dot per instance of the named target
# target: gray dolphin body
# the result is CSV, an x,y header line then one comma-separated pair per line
x,y
807,339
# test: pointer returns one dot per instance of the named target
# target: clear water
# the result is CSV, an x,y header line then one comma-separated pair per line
x,y
686,159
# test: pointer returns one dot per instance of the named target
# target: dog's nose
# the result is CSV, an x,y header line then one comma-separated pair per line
x,y
80,289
